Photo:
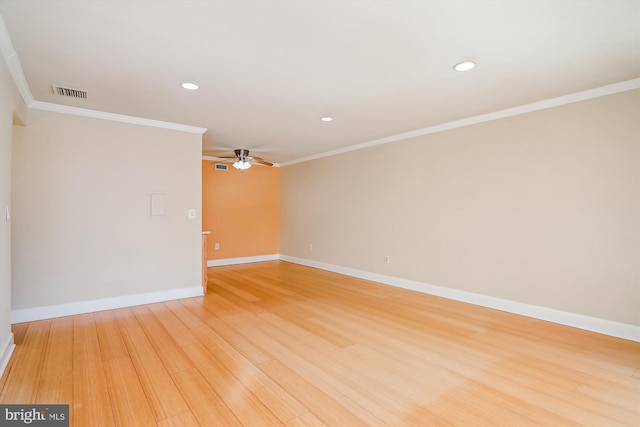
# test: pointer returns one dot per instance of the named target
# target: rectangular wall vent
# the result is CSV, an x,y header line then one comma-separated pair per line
x,y
221,167
73,93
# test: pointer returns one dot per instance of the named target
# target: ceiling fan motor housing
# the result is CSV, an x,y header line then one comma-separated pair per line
x,y
241,153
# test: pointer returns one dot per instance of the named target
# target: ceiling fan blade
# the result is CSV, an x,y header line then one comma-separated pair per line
x,y
224,158
262,161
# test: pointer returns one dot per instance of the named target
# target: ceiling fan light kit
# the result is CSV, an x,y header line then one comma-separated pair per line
x,y
242,164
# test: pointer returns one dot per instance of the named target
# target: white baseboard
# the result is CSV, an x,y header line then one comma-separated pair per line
x,y
602,326
81,307
6,350
242,260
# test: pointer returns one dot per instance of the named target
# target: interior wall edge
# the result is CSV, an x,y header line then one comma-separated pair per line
x,y
5,353
92,306
85,112
593,324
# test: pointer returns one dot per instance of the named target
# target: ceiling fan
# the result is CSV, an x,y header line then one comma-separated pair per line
x,y
243,161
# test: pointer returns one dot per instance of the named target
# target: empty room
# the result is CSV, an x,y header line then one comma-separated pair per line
x,y
320,213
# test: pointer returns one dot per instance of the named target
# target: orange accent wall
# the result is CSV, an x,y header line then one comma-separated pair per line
x,y
242,211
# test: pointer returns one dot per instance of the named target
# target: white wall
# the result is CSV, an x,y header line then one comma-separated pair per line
x,y
541,208
11,106
82,228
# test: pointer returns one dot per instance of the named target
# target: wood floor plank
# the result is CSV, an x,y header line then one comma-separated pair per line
x,y
165,346
186,419
56,378
91,401
207,406
59,350
174,326
241,293
189,319
419,416
305,420
130,406
245,405
111,343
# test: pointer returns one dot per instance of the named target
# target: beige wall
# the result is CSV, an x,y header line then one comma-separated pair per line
x,y
81,223
541,208
6,111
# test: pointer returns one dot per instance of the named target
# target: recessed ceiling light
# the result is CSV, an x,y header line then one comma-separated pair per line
x,y
464,66
327,119
190,86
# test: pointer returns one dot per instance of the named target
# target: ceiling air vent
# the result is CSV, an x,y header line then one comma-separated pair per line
x,y
73,93
221,167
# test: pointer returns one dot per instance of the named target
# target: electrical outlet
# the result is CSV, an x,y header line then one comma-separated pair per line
x,y
387,259
216,246
310,247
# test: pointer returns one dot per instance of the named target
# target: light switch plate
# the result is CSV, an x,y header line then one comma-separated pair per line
x,y
192,213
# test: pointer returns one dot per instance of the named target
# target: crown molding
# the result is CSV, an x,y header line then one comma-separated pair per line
x,y
509,112
84,112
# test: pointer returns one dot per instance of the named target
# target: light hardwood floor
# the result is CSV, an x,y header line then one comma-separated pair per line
x,y
276,343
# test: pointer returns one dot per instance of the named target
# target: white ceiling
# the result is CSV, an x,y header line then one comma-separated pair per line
x,y
269,70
